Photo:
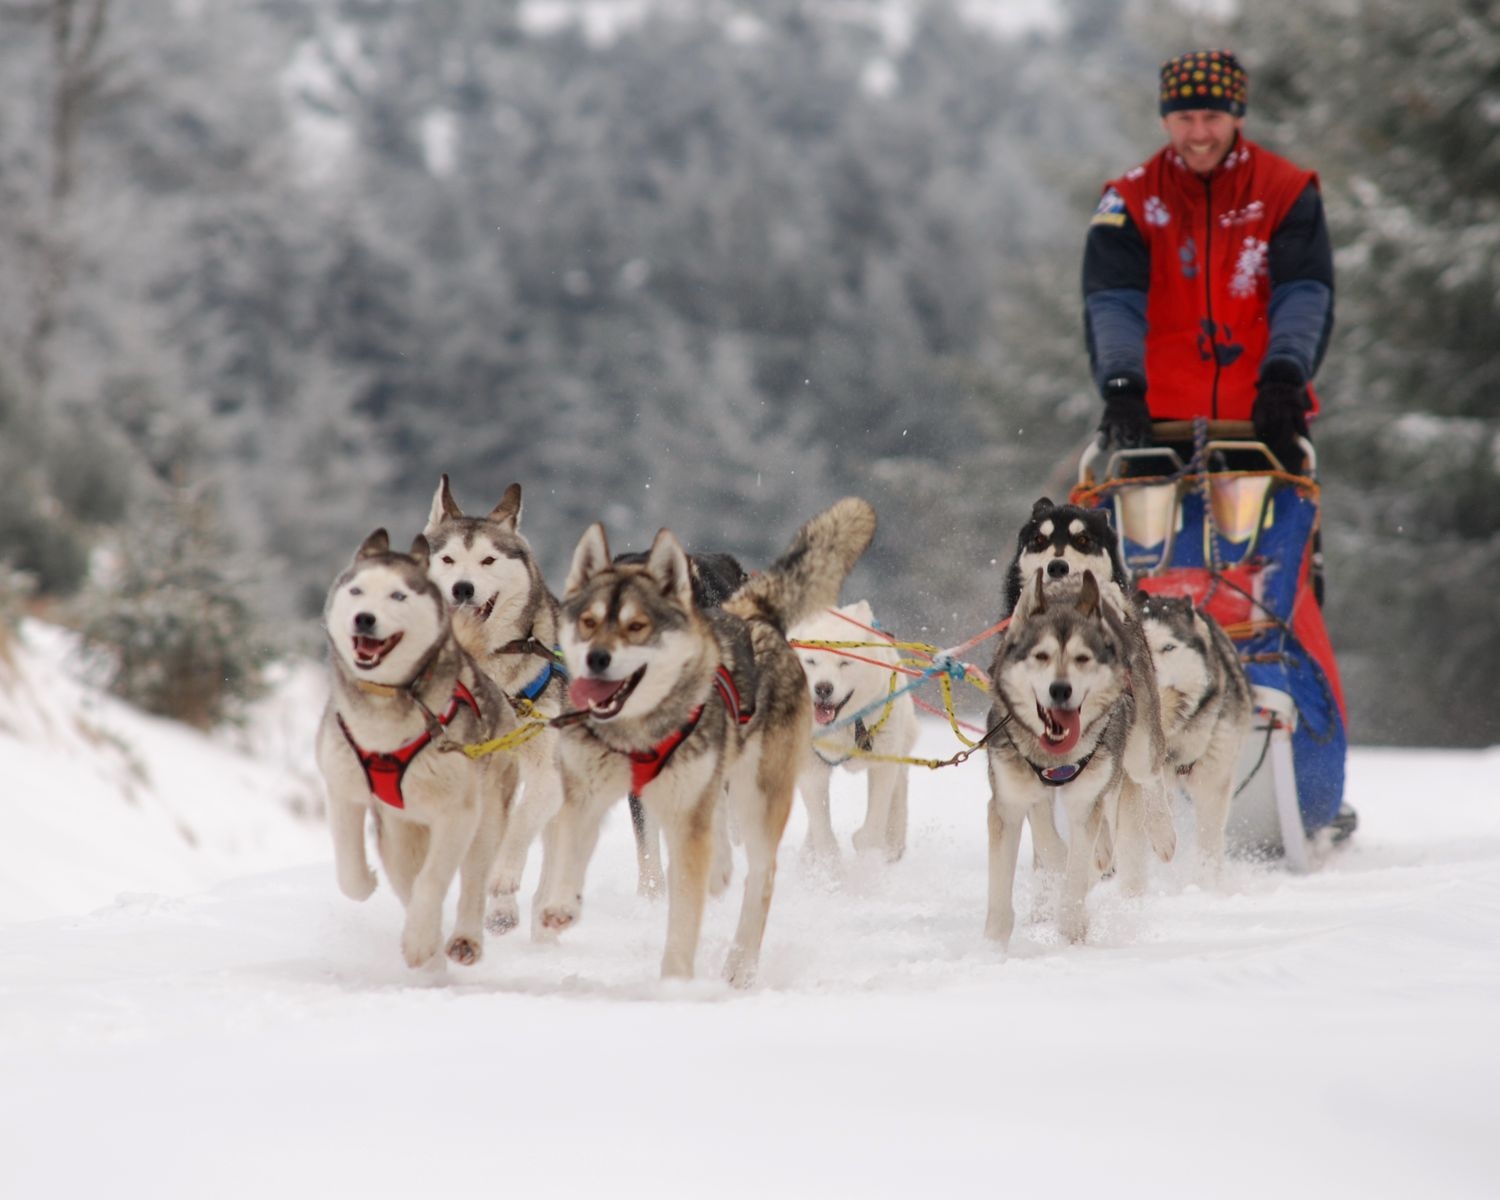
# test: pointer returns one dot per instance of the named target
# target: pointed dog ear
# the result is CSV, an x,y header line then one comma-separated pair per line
x,y
668,564
1044,504
589,558
508,511
378,542
421,551
1088,596
443,505
1032,599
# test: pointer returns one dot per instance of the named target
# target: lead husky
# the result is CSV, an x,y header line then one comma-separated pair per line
x,y
504,615
1061,541
693,712
1206,709
842,685
402,691
1062,720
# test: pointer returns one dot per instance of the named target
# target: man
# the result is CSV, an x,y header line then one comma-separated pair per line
x,y
1208,274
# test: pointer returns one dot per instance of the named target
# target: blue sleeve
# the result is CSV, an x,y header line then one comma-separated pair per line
x,y
1301,317
1115,329
1301,266
1116,279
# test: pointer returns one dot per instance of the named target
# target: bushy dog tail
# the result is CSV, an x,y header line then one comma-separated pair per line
x,y
807,578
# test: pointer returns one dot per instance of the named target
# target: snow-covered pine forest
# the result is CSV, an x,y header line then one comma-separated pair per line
x,y
271,268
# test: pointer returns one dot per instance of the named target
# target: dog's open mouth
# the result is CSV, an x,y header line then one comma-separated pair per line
x,y
370,652
826,714
1061,728
603,698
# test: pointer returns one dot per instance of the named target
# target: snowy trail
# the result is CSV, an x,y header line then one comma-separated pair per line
x,y
1282,1036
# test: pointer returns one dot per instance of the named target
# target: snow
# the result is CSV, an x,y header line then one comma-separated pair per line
x,y
189,1008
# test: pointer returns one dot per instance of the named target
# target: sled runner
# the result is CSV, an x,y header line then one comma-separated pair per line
x,y
1209,513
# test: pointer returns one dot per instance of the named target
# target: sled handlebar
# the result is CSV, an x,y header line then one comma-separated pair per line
x,y
1223,435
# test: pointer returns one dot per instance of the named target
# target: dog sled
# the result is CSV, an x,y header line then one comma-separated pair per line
x,y
1208,512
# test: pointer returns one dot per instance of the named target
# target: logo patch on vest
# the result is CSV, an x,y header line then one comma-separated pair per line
x,y
1111,210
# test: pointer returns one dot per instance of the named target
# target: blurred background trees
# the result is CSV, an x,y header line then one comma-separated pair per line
x,y
703,265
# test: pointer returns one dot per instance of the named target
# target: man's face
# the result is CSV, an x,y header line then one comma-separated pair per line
x,y
1201,136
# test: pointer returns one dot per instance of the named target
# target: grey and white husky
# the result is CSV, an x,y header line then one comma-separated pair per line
x,y
1206,710
403,692
1061,541
1062,718
841,685
696,713
506,618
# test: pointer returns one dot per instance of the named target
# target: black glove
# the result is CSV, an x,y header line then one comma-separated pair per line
x,y
1126,424
1280,412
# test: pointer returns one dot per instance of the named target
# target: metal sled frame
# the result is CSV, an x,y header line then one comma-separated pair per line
x,y
1265,815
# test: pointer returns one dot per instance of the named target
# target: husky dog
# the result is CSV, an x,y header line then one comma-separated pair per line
x,y
841,685
715,577
403,691
1062,540
505,617
694,712
1206,709
1061,720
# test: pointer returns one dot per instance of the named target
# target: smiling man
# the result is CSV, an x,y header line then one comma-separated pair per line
x,y
1208,274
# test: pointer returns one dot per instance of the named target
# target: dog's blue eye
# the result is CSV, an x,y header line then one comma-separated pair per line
x,y
1169,647
356,591
398,596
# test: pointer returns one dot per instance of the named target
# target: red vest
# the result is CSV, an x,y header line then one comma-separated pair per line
x,y
1206,313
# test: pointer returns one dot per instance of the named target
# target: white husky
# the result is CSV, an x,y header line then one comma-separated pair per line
x,y
843,684
402,693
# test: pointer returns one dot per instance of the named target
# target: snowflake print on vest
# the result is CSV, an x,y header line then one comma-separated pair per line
x,y
1156,211
1249,267
1252,212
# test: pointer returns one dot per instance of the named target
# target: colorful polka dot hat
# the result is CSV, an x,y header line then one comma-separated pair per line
x,y
1204,79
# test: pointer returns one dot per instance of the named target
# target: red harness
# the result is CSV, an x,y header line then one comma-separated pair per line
x,y
646,765
384,768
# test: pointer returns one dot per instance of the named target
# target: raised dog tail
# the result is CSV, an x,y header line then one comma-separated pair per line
x,y
807,578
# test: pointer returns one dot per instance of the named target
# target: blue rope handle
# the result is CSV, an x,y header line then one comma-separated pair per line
x,y
943,663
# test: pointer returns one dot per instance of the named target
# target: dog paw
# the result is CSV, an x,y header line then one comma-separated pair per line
x,y
866,838
504,915
357,885
558,917
465,951
739,971
1164,842
999,926
1073,922
418,948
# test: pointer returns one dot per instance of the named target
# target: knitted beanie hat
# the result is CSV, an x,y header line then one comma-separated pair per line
x,y
1204,79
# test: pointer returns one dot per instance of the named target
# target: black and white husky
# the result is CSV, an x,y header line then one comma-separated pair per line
x,y
1206,709
403,694
1058,543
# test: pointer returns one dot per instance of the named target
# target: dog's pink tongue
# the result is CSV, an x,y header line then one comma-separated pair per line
x,y
824,714
585,692
1070,721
